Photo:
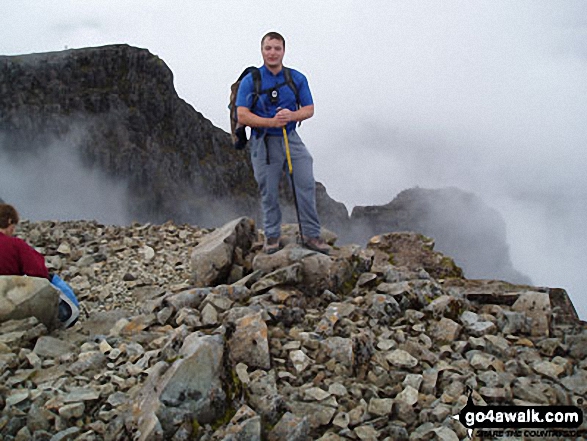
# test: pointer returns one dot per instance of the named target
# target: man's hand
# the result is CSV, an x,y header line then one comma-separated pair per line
x,y
275,122
284,116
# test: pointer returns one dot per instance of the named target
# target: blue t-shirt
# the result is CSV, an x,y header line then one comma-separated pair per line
x,y
286,99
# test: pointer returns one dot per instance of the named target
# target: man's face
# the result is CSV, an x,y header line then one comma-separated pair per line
x,y
273,51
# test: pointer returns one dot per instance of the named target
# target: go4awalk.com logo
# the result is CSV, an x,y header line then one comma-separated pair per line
x,y
528,421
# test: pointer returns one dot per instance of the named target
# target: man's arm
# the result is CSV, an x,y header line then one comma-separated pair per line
x,y
248,118
284,116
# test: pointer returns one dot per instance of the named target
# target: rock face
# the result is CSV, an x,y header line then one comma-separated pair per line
x,y
191,388
462,226
364,344
414,251
23,297
214,256
118,108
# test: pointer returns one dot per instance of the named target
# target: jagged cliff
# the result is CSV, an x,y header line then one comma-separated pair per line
x,y
462,225
120,106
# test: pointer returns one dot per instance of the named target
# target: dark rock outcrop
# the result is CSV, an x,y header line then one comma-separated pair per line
x,y
118,106
462,226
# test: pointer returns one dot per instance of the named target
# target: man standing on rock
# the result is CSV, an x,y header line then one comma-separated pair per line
x,y
267,112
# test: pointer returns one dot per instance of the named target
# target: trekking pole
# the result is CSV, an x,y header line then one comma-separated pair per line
x,y
293,186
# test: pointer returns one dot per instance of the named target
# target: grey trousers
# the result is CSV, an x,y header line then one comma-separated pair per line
x,y
268,173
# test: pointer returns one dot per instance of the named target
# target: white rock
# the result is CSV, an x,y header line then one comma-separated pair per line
x,y
380,406
367,433
300,360
409,396
316,394
414,380
148,253
341,420
338,390
241,372
402,359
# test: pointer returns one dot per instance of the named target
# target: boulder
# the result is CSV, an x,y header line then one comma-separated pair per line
x,y
190,388
415,251
339,349
22,297
213,257
290,275
318,271
290,428
535,305
249,342
445,331
47,346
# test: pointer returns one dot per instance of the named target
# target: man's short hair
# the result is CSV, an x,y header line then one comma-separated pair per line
x,y
8,215
273,36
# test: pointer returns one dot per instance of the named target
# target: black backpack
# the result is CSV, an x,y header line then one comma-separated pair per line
x,y
239,135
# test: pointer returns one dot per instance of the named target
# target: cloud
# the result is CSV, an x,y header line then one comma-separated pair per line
x,y
50,181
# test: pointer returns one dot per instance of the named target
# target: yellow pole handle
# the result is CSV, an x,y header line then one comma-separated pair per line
x,y
287,153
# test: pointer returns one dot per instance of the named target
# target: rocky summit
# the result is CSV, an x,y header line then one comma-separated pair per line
x,y
189,333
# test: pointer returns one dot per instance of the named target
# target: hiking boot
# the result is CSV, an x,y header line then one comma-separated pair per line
x,y
272,245
317,244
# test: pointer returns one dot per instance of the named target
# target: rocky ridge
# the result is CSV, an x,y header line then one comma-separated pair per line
x,y
193,333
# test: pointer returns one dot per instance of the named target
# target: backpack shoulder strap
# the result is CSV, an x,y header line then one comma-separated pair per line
x,y
290,82
256,84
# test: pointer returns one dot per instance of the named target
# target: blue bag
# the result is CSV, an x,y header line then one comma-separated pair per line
x,y
68,302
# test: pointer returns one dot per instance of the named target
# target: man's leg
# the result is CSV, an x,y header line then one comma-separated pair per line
x,y
268,177
302,164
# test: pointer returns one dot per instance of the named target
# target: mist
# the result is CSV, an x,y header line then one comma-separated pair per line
x,y
50,182
543,201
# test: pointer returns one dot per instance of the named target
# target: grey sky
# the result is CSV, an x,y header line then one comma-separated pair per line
x,y
489,96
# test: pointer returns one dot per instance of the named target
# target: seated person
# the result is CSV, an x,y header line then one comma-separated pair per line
x,y
17,258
